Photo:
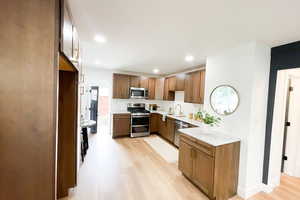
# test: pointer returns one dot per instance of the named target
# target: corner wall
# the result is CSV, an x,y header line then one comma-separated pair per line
x,y
246,68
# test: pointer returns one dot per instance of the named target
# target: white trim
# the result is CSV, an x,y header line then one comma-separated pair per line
x,y
246,193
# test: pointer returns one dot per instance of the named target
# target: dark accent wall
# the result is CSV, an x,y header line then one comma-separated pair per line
x,y
28,99
282,57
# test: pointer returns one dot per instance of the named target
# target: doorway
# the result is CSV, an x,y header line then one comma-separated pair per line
x,y
67,127
94,107
291,150
285,151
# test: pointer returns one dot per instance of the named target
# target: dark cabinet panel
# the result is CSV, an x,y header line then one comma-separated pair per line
x,y
170,129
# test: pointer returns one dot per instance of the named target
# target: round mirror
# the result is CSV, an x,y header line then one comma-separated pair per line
x,y
224,100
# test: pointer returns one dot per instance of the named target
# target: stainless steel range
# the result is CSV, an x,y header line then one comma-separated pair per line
x,y
140,119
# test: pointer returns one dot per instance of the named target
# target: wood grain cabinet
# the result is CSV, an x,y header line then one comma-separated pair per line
x,y
194,87
213,169
151,88
121,86
135,81
162,130
154,123
121,125
170,130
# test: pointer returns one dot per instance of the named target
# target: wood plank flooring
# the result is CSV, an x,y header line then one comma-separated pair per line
x,y
129,169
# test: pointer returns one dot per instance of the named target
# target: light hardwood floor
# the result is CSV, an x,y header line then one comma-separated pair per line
x,y
129,169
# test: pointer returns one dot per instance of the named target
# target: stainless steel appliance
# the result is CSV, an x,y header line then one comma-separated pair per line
x,y
138,93
140,119
179,125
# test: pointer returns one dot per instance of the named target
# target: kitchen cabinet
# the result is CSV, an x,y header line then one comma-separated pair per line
x,y
159,88
168,95
162,131
180,80
213,169
170,130
154,123
144,82
151,88
121,125
194,87
135,81
121,86
172,83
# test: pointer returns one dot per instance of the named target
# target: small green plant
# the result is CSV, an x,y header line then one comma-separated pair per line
x,y
208,118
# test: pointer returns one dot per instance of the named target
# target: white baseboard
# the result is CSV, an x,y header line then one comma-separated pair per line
x,y
245,193
268,188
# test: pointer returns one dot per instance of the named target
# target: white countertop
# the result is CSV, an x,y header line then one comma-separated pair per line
x,y
209,136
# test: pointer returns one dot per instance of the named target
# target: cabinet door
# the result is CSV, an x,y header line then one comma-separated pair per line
x,y
166,89
185,162
196,79
202,86
135,81
154,123
151,88
170,129
188,88
162,127
159,89
180,79
144,82
121,86
121,125
203,171
172,83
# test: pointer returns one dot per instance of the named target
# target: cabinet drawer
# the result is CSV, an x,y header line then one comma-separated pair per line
x,y
121,116
206,148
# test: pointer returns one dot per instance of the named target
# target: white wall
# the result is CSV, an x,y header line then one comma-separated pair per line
x,y
246,68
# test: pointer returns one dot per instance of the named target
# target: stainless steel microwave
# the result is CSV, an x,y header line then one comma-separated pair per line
x,y
138,93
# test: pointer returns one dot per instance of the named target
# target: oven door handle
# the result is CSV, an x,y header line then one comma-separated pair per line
x,y
141,116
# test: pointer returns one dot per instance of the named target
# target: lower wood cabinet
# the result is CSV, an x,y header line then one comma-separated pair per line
x,y
121,125
213,169
170,133
154,123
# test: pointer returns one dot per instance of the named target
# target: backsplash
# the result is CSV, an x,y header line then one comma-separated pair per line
x,y
121,104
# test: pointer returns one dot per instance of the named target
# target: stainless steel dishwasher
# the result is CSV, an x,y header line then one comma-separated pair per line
x,y
179,125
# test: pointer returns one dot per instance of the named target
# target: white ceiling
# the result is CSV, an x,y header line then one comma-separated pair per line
x,y
147,34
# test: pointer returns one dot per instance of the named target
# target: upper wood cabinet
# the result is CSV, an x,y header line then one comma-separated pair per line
x,y
180,80
172,83
144,82
135,81
194,87
121,84
151,88
169,95
159,88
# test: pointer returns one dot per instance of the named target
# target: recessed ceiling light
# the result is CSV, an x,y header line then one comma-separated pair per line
x,y
100,39
189,58
155,71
